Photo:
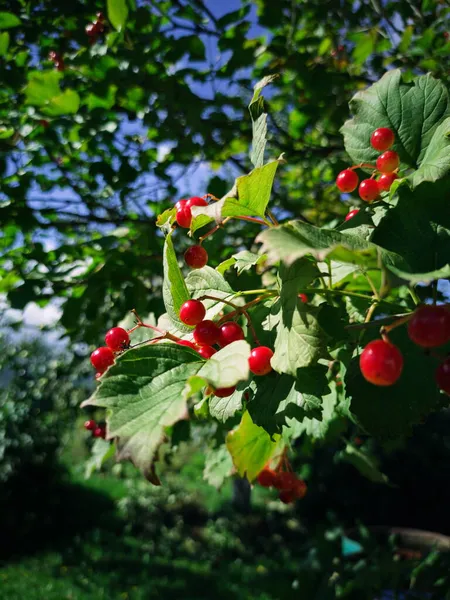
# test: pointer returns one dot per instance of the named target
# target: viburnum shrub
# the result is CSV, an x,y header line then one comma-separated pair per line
x,y
348,324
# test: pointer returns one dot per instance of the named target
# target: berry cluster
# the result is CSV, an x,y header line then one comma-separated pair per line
x,y
57,60
291,488
98,430
387,165
381,362
117,340
196,256
96,28
208,334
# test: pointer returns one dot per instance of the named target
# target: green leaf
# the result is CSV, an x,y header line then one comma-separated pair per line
x,y
364,46
366,465
223,409
6,132
9,20
405,42
66,103
242,261
300,340
390,412
4,43
143,392
43,91
208,281
259,122
435,164
101,452
117,13
250,447
413,111
228,366
218,466
175,291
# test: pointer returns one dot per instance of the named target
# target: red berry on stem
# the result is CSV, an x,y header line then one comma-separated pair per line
x,y
443,376
187,343
91,30
300,488
381,363
180,204
368,190
90,425
388,161
351,214
206,351
206,333
196,257
286,481
382,139
224,392
100,16
347,180
259,361
102,358
429,326
267,478
117,339
230,332
99,432
192,312
184,217
303,298
386,180
287,496
196,201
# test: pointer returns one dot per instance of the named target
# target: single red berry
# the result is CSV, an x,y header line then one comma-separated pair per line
x,y
267,477
351,214
192,312
230,332
99,432
196,201
287,496
206,351
90,30
206,333
224,392
44,123
368,190
386,180
381,363
388,161
184,217
180,204
429,326
286,481
303,298
187,343
300,488
99,28
196,257
443,376
347,181
259,361
117,339
90,425
382,139
102,358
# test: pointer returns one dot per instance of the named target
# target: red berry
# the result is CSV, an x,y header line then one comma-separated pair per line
x,y
381,363
286,481
303,298
230,332
192,312
44,123
184,217
368,190
187,343
102,358
347,181
100,16
196,257
90,425
224,392
351,214
429,326
287,496
99,432
443,376
206,351
382,139
180,204
206,333
259,361
388,161
386,180
99,27
117,339
196,201
300,488
267,477
91,30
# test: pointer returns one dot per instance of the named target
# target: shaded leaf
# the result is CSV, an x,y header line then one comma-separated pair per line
x,y
175,291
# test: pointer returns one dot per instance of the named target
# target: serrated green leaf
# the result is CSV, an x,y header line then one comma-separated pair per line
x,y
412,110
175,291
250,447
101,451
166,218
208,282
228,366
218,466
143,392
117,13
435,163
4,43
366,465
9,20
223,409
242,261
259,122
